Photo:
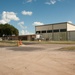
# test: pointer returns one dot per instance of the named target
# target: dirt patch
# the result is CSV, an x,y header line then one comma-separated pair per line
x,y
36,60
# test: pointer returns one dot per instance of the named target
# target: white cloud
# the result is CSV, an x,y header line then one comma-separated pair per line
x,y
38,23
27,13
21,24
29,0
52,2
3,22
8,16
48,3
70,21
25,32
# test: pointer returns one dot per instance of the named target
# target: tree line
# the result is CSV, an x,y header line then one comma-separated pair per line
x,y
8,30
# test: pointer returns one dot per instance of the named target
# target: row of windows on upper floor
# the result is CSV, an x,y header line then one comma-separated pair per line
x,y
50,31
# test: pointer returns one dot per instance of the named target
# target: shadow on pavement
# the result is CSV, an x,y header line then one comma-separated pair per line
x,y
28,49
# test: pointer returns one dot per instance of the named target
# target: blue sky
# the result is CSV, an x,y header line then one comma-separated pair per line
x,y
25,14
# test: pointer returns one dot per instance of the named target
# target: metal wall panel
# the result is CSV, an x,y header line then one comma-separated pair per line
x,y
71,35
60,26
43,27
59,36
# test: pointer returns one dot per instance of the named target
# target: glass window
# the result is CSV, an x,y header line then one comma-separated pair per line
x,y
63,30
57,30
37,31
44,31
49,31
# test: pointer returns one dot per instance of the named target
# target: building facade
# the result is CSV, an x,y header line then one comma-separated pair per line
x,y
30,37
57,31
27,37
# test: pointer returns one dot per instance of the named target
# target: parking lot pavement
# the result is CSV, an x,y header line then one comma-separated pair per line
x,y
37,59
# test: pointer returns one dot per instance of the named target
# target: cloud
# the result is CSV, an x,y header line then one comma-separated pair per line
x,y
38,23
25,32
29,1
27,13
52,2
70,21
3,22
8,16
21,24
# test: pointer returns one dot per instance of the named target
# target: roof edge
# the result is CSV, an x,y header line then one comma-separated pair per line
x,y
54,24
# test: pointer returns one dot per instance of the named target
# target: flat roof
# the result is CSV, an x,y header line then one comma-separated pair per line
x,y
54,24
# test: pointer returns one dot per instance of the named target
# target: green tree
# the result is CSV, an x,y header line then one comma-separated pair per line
x,y
8,30
1,30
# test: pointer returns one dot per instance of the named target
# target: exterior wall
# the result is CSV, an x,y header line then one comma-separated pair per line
x,y
55,32
22,38
51,27
27,37
56,36
71,35
60,26
59,36
63,35
10,38
50,36
47,36
43,27
70,27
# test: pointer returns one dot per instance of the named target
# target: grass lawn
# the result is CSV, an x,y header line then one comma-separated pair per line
x,y
14,43
8,43
70,48
51,42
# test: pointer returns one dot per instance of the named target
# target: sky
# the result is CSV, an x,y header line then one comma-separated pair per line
x,y
26,14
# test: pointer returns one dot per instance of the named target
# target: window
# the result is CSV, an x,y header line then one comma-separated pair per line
x,y
49,31
56,30
37,31
63,30
44,31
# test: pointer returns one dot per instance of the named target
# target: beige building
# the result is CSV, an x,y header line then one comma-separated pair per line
x,y
56,31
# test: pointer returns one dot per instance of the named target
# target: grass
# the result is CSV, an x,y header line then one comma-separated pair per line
x,y
8,43
70,48
14,43
51,42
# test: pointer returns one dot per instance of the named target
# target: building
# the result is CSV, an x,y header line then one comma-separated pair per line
x,y
57,31
30,37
